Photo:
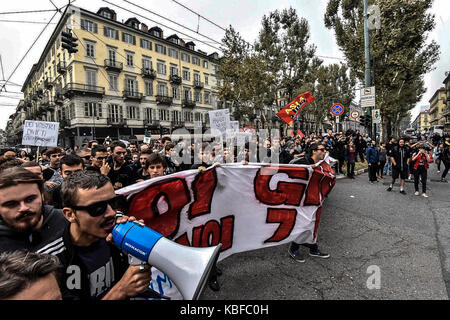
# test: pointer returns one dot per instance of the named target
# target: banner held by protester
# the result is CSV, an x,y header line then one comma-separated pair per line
x,y
281,203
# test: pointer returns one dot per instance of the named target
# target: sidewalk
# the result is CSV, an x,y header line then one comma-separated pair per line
x,y
360,168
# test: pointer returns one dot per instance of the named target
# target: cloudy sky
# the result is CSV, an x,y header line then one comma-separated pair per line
x,y
19,31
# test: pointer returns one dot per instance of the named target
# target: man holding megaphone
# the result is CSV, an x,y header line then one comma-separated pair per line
x,y
93,267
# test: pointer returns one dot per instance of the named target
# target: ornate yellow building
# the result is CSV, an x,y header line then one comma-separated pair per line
x,y
125,80
437,107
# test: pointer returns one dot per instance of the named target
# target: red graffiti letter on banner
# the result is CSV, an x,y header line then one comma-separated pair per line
x,y
144,205
203,188
286,219
289,193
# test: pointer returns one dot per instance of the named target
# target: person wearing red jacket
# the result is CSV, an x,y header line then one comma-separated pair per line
x,y
421,159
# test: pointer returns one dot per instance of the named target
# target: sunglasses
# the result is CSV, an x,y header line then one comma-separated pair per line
x,y
321,149
86,157
97,209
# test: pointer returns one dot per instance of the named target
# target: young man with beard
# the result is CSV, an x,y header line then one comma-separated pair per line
x,y
94,267
120,173
318,152
25,222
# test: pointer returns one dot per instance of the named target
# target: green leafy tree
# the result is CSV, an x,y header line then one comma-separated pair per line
x,y
400,51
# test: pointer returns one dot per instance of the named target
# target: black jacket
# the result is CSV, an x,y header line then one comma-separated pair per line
x,y
72,264
41,240
124,175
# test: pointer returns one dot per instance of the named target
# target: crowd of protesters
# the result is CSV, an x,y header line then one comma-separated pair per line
x,y
52,223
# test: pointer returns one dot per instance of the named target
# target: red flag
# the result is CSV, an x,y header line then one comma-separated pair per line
x,y
290,112
300,133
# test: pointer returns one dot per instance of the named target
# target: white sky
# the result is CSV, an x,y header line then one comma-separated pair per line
x,y
244,15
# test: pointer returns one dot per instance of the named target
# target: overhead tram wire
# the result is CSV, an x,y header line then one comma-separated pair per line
x,y
21,21
178,24
30,11
200,15
139,15
29,49
215,24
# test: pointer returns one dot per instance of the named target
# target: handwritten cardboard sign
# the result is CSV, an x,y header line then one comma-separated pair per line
x,y
40,133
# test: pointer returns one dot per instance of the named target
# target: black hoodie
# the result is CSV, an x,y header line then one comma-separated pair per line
x,y
45,238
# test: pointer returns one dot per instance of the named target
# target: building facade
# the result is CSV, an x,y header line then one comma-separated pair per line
x,y
126,80
437,107
446,114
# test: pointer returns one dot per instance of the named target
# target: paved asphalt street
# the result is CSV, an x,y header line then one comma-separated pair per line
x,y
362,225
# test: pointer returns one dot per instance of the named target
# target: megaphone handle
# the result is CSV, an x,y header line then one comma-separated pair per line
x,y
152,294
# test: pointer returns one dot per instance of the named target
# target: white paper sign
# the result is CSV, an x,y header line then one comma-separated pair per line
x,y
40,133
220,120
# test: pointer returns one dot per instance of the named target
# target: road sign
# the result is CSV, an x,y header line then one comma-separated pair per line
x,y
355,114
337,110
368,97
376,116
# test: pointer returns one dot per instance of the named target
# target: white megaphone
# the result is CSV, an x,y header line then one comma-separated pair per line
x,y
188,267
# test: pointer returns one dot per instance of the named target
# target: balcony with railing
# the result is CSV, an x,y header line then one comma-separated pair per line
x,y
85,89
162,99
61,67
116,122
48,104
132,95
151,123
175,79
59,99
198,84
148,73
188,103
113,65
48,83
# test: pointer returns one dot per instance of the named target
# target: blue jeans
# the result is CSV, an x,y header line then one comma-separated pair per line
x,y
388,167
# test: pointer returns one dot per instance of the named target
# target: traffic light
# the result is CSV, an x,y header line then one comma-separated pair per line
x,y
69,42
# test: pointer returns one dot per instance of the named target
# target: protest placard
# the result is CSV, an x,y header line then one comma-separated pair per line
x,y
220,120
40,133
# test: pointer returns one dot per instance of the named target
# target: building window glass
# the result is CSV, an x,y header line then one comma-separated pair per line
x,y
173,53
149,88
90,49
146,44
130,60
128,38
185,57
186,75
161,67
160,49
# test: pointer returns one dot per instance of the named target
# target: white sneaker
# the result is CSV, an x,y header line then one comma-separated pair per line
x,y
439,171
424,195
416,193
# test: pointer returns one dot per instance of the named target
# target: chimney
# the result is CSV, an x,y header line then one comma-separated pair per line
x,y
144,27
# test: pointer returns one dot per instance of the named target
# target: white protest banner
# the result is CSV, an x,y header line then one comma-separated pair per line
x,y
280,203
220,120
243,207
40,133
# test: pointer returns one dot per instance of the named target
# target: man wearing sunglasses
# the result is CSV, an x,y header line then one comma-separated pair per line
x,y
95,268
99,160
317,153
85,154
